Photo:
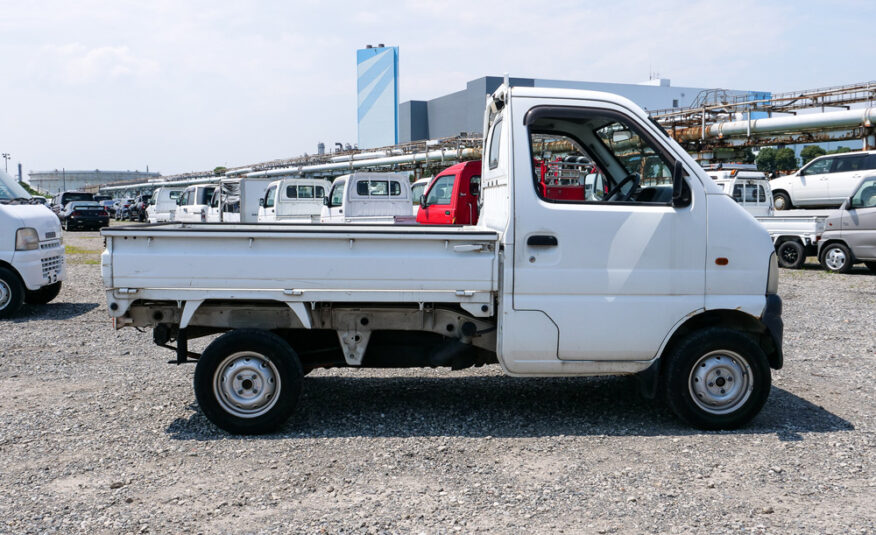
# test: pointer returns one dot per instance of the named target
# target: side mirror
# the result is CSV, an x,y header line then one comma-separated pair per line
x,y
325,201
680,194
423,202
262,201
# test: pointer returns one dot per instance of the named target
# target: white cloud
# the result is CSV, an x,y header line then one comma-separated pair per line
x,y
78,64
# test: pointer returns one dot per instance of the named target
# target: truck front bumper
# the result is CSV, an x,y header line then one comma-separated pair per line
x,y
41,267
772,320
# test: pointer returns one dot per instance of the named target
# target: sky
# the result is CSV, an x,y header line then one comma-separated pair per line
x,y
190,85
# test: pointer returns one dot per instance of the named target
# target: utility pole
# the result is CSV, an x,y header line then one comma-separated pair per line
x,y
64,176
6,157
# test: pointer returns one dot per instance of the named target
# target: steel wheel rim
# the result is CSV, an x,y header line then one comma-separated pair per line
x,y
789,255
720,382
835,258
5,294
246,384
779,203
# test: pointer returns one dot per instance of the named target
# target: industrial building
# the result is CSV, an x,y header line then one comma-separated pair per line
x,y
53,182
463,111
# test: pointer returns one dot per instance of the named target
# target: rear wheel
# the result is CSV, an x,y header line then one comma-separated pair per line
x,y
717,378
791,255
781,201
11,293
248,381
42,296
836,257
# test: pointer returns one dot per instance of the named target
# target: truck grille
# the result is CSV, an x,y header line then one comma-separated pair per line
x,y
50,244
52,264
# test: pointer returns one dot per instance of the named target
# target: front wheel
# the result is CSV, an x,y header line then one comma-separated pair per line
x,y
11,293
717,378
782,201
42,296
836,257
248,381
791,255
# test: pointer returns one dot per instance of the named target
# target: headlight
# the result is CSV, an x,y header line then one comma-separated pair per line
x,y
27,239
773,277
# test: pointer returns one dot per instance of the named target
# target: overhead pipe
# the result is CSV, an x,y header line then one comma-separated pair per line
x,y
443,155
834,120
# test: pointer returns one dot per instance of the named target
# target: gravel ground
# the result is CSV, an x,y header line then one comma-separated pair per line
x,y
99,435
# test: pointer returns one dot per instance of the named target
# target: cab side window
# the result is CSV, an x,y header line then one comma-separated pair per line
x,y
442,191
270,197
337,195
495,143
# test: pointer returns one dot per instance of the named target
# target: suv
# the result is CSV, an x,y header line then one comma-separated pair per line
x,y
825,181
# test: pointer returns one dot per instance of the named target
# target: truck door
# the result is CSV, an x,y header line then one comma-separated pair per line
x,y
614,274
438,201
334,212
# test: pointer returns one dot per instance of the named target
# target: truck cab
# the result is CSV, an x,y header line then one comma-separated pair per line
x,y
194,202
32,264
162,205
452,196
748,186
293,200
369,198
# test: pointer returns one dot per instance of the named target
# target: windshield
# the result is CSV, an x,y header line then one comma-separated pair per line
x,y
10,189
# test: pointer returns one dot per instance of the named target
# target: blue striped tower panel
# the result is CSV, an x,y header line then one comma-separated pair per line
x,y
377,84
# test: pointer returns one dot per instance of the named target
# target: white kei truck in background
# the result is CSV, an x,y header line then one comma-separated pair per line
x,y
681,292
293,200
369,198
236,200
31,253
162,205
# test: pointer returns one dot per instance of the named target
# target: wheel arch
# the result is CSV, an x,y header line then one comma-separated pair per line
x,y
827,243
10,267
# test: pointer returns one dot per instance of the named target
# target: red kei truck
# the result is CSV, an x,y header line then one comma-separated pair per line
x,y
452,196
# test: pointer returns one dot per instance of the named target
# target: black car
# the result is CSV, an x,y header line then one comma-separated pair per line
x,y
138,208
61,200
83,215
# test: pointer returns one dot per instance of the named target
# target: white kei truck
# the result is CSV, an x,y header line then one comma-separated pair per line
x,y
665,277
31,254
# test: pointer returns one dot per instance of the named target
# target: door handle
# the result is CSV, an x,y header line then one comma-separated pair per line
x,y
446,212
542,240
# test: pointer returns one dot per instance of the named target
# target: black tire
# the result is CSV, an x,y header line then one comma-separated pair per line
x,y
697,360
265,361
42,296
782,201
837,258
871,266
11,293
791,255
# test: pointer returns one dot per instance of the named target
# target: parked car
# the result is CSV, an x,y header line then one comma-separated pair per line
x,y
61,200
108,205
37,199
101,198
825,181
137,211
452,196
293,200
850,234
84,215
369,198
162,205
192,205
31,255
123,209
682,292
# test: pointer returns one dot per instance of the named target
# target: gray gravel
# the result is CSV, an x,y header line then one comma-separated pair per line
x,y
99,435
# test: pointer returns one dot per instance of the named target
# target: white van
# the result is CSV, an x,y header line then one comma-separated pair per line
x,y
162,205
748,186
825,181
369,198
293,200
237,200
193,203
31,254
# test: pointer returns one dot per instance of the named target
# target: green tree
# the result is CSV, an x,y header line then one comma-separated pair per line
x,y
786,160
766,160
839,150
219,171
811,152
748,155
